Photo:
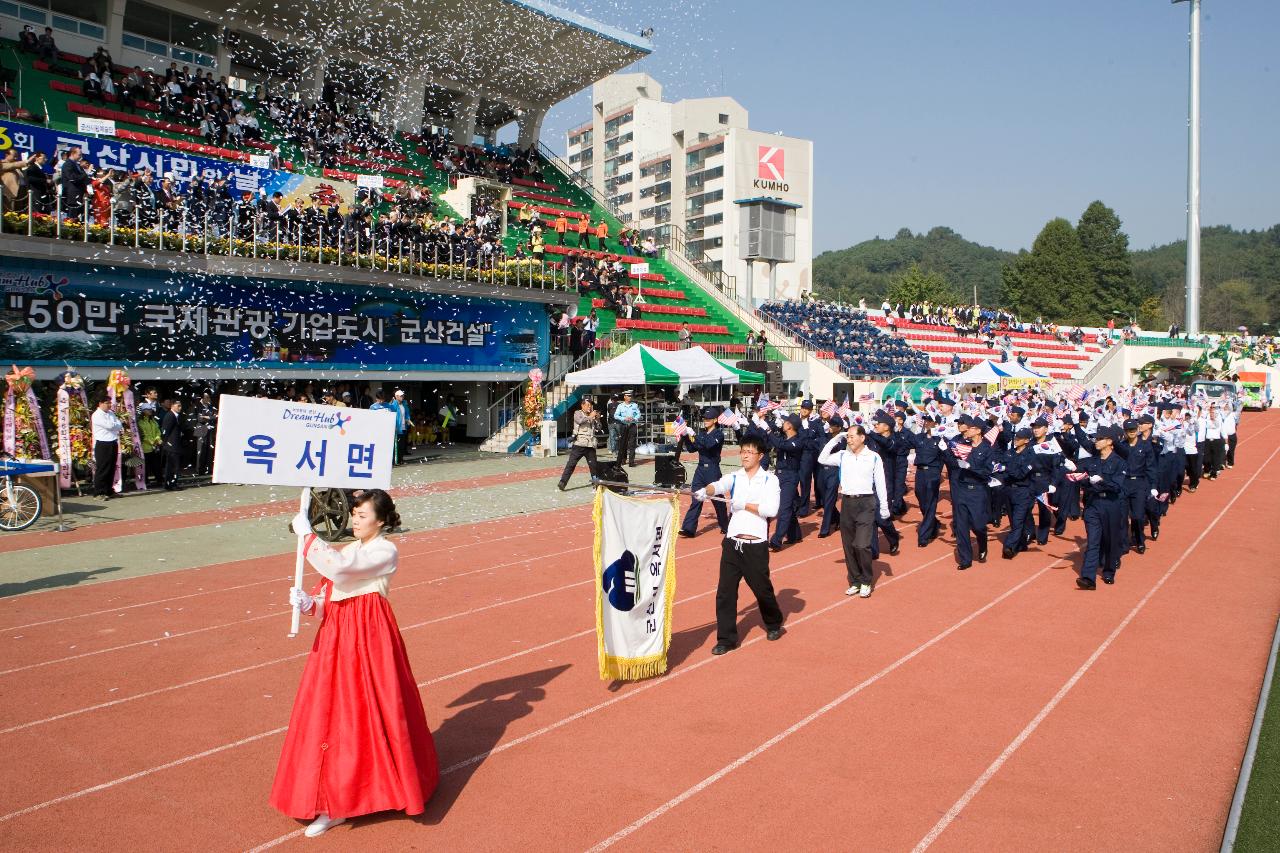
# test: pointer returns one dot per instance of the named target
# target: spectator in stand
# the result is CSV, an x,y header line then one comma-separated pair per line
x,y
11,176
686,336
860,347
27,40
956,365
75,184
46,47
650,248
91,87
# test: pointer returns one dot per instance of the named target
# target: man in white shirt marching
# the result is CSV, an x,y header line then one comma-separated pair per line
x,y
753,495
106,447
863,492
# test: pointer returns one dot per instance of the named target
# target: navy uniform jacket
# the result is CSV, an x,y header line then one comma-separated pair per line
x,y
1139,458
1113,472
980,468
885,448
926,447
707,445
1019,468
789,451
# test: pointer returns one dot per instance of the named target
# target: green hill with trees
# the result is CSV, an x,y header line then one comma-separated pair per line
x,y
1082,272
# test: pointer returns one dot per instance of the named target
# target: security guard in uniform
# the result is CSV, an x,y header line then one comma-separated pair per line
x,y
1018,475
928,477
829,482
969,492
789,447
884,443
708,445
1104,513
811,431
1046,470
901,460
1138,458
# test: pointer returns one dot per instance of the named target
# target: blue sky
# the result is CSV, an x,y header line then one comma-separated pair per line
x,y
990,118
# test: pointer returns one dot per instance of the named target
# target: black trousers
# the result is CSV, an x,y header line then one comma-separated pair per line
x,y
1194,469
172,464
857,526
1214,454
627,444
576,453
747,561
104,466
1231,449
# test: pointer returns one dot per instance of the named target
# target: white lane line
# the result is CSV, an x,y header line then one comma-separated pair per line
x,y
640,688
965,798
177,762
430,551
816,715
195,682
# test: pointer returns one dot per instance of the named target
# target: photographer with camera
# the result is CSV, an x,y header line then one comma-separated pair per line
x,y
585,423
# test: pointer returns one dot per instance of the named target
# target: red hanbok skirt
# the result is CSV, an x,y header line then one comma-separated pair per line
x,y
358,740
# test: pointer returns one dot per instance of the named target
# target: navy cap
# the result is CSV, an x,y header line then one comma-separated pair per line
x,y
837,422
1023,433
883,418
1110,432
795,421
930,417
1040,422
1129,424
710,413
902,404
1017,410
944,400
1147,419
807,404
1084,415
1067,421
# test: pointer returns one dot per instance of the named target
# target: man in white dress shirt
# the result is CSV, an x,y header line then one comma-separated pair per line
x,y
753,495
106,447
863,492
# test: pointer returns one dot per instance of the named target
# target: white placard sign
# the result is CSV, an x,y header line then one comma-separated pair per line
x,y
639,269
260,161
372,182
277,443
96,126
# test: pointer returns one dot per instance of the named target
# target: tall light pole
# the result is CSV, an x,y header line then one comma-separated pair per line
x,y
1192,323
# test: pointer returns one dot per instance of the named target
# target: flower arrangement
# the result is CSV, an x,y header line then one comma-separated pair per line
x,y
24,436
535,401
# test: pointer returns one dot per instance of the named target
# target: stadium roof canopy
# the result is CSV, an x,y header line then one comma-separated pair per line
x,y
515,55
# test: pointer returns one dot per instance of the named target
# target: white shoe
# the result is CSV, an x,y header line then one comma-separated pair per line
x,y
853,590
321,824
865,591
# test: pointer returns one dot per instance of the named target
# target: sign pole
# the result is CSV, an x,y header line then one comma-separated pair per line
x,y
304,504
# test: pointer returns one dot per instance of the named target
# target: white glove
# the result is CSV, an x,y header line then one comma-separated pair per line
x,y
700,495
942,444
994,483
1154,493
884,514
1053,489
739,504
963,463
1096,479
1068,464
300,600
301,524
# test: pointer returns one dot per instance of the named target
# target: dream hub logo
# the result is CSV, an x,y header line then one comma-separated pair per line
x,y
340,421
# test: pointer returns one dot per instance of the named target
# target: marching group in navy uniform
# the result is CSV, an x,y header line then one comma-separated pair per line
x,y
1115,464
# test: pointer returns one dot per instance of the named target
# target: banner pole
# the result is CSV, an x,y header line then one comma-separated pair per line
x,y
304,504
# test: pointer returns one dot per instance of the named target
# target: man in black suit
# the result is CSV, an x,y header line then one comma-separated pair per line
x,y
171,444
75,184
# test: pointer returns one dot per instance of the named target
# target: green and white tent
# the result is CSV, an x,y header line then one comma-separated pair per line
x,y
642,365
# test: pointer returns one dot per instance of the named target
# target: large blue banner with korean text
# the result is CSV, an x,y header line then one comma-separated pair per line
x,y
111,153
54,312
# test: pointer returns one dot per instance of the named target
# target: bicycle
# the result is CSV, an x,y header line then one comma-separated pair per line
x,y
20,505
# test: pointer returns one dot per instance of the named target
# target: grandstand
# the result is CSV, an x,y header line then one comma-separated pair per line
x,y
404,158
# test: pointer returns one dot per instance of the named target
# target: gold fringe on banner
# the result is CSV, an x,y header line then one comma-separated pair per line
x,y
613,667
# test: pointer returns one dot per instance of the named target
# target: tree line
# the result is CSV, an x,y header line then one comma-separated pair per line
x,y
1080,273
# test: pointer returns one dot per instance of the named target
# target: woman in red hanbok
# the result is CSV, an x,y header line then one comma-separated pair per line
x,y
358,740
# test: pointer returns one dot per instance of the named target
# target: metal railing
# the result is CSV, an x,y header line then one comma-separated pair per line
x,y
249,233
510,406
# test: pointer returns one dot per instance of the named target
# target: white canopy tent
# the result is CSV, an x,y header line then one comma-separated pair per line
x,y
642,365
992,371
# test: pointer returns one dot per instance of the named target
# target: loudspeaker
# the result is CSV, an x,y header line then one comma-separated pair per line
x,y
772,371
667,471
613,472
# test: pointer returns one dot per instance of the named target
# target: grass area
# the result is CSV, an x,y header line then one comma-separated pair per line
x,y
1260,820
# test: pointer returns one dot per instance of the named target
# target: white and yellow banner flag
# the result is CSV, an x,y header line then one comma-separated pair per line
x,y
635,559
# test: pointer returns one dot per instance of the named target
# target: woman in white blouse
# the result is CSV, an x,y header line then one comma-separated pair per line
x,y
358,738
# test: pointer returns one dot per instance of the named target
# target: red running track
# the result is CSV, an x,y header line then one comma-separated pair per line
x,y
950,710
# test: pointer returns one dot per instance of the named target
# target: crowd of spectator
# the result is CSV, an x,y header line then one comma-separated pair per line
x,y
859,346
